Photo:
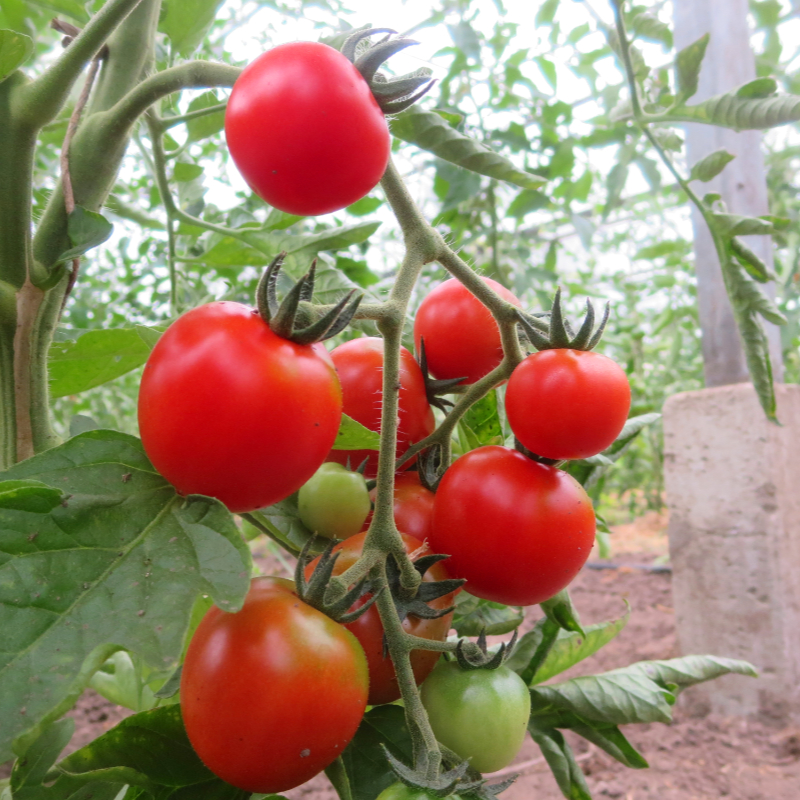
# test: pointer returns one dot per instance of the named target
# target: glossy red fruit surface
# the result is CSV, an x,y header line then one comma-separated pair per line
x,y
231,410
305,131
517,530
566,404
461,337
271,694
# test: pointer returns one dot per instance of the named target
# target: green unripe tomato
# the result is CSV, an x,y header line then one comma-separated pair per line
x,y
334,502
480,714
399,791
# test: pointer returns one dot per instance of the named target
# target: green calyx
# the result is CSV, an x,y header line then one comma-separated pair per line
x,y
461,780
559,334
417,604
312,592
434,389
393,95
474,655
281,317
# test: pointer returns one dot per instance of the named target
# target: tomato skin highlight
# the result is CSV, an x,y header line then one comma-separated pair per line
x,y
368,628
479,714
359,364
565,404
461,337
413,506
305,130
271,694
231,410
517,530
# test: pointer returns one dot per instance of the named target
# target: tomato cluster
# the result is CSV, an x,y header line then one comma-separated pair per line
x,y
237,404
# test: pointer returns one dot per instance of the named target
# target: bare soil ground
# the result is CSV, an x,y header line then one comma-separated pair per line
x,y
691,759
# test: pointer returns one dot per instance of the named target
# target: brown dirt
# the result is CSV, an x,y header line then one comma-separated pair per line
x,y
691,759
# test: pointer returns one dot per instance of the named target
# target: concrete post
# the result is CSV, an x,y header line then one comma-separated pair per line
x,y
733,491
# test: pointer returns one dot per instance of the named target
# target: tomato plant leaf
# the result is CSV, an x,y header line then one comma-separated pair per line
x,y
561,760
86,230
483,421
117,565
30,771
352,435
15,50
560,610
96,357
729,110
708,168
571,647
34,497
619,697
366,765
208,124
430,132
532,649
473,615
186,22
282,521
689,670
687,66
149,751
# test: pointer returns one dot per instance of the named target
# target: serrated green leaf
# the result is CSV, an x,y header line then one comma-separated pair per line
x,y
207,125
689,670
366,765
617,697
283,522
86,229
760,87
97,357
755,267
34,497
474,615
743,113
736,225
352,435
183,172
117,566
526,201
186,22
708,168
532,648
366,205
562,763
30,771
149,750
428,131
687,66
668,139
647,25
483,419
15,50
560,609
571,648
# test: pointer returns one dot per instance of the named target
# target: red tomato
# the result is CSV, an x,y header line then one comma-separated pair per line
x,y
305,130
517,530
567,403
368,628
359,364
413,506
229,409
461,337
272,694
